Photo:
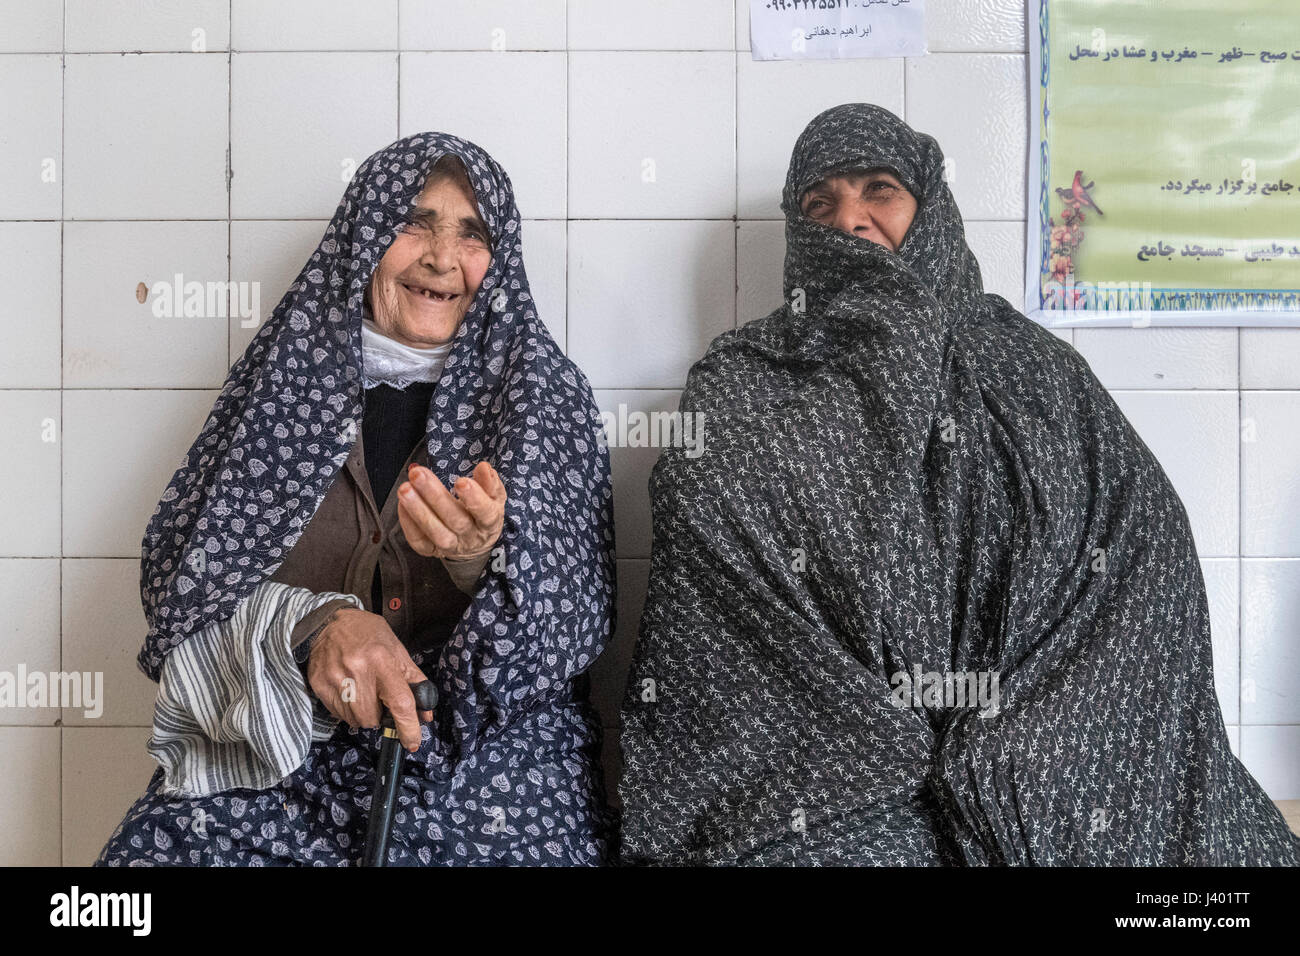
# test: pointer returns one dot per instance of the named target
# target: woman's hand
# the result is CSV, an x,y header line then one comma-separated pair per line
x,y
357,666
437,524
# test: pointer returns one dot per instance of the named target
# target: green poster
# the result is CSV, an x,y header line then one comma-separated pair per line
x,y
1165,186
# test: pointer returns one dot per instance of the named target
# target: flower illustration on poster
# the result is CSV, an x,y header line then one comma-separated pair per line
x,y
1068,236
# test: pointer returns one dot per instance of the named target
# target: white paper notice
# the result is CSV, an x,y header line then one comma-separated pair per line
x,y
819,29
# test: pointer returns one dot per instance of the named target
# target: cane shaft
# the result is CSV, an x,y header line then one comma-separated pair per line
x,y
388,779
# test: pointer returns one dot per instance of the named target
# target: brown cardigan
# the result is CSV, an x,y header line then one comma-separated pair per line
x,y
349,534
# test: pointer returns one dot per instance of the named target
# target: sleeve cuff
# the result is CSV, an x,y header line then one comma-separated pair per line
x,y
465,572
305,631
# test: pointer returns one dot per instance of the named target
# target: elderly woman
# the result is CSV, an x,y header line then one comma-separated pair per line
x,y
307,563
926,598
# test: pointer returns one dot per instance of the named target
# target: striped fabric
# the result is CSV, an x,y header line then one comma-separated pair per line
x,y
233,709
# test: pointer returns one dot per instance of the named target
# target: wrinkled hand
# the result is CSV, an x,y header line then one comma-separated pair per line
x,y
357,656
437,524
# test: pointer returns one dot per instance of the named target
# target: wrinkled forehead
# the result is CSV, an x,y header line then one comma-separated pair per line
x,y
449,171
855,136
398,175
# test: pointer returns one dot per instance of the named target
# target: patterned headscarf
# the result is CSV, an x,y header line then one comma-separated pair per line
x,y
820,259
292,407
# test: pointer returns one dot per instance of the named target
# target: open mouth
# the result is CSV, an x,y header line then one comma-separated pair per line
x,y
430,294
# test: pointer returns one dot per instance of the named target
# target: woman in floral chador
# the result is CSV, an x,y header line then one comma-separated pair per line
x,y
307,563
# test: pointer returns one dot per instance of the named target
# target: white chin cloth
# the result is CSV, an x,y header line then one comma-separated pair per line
x,y
387,361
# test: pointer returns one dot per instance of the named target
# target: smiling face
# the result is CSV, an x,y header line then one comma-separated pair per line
x,y
427,278
872,204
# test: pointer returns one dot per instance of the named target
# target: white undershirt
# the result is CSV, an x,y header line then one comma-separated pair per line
x,y
389,361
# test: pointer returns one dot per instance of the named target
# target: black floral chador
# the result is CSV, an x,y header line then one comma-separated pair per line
x,y
907,488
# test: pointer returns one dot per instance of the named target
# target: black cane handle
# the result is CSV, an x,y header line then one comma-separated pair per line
x,y
426,697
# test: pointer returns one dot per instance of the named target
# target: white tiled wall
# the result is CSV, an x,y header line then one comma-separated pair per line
x,y
214,137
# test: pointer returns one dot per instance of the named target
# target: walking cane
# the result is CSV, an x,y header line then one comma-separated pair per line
x,y
388,779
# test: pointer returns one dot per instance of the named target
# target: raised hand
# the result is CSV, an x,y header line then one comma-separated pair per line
x,y
465,525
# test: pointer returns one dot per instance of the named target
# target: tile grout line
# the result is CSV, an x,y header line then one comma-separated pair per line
x,y
398,52
568,111
735,181
230,165
63,137
568,187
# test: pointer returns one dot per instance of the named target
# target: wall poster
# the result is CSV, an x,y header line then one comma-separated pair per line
x,y
1164,174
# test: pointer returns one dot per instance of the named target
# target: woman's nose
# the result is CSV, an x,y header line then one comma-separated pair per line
x,y
439,252
855,218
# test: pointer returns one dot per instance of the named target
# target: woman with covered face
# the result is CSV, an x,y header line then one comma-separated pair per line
x,y
402,479
926,598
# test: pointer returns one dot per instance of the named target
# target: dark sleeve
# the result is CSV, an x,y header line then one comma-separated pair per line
x,y
305,631
465,572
